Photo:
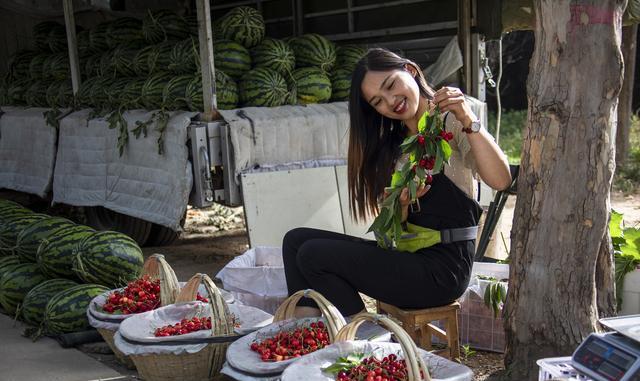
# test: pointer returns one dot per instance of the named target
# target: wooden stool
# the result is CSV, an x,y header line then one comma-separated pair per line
x,y
418,325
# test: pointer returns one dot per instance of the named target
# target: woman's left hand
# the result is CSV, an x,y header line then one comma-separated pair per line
x,y
451,99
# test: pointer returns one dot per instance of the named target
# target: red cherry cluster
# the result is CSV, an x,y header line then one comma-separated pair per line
x,y
390,368
290,344
442,135
185,326
140,295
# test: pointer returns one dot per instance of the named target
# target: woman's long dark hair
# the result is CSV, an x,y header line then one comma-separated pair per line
x,y
373,139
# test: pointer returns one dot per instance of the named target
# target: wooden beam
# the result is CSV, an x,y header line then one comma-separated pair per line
x,y
72,44
207,67
464,40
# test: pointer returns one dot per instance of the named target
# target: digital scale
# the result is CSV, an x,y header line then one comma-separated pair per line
x,y
611,356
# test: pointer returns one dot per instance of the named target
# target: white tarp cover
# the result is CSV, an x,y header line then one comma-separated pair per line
x,y
141,328
141,183
27,150
309,367
299,136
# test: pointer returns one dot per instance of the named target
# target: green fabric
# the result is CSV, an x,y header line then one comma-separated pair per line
x,y
417,237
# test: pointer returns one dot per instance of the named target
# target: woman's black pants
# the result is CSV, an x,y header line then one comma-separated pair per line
x,y
340,266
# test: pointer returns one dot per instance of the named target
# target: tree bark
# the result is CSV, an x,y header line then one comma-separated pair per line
x,y
565,176
625,105
605,278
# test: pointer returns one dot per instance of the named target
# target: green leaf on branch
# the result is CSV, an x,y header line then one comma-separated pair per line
x,y
421,173
439,160
408,143
413,190
422,123
446,149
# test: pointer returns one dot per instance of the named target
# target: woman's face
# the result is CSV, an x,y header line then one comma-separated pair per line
x,y
394,94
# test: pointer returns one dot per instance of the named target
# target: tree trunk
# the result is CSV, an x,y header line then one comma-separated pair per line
x,y
605,278
625,110
566,170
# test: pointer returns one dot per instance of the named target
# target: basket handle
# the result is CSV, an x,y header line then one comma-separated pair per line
x,y
157,267
221,320
334,318
415,363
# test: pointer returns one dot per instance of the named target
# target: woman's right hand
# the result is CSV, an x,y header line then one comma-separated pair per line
x,y
405,198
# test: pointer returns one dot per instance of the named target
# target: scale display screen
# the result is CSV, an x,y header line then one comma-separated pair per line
x,y
607,361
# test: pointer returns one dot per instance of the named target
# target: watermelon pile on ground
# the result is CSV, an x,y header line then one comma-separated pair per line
x,y
44,260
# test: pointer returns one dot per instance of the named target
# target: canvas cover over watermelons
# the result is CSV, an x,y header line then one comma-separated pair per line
x,y
67,311
263,87
340,84
243,25
312,85
232,58
55,258
275,55
108,258
35,302
38,233
164,25
16,282
314,50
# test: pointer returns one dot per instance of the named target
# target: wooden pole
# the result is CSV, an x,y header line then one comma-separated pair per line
x,y
72,44
464,40
206,60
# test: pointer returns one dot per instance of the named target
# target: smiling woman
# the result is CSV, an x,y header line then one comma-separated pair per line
x,y
389,96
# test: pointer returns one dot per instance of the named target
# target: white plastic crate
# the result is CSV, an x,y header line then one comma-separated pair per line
x,y
558,368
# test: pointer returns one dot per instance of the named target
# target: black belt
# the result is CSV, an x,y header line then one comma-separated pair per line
x,y
458,234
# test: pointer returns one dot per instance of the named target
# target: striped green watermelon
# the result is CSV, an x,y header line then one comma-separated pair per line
x,y
9,209
90,66
55,258
122,61
347,56
98,37
274,54
84,44
67,311
131,95
19,67
36,66
153,59
124,31
315,51
83,96
16,282
340,84
59,94
232,58
108,258
185,57
35,302
7,262
57,39
16,92
12,226
98,93
164,25
41,34
105,68
312,85
243,25
226,92
153,90
30,238
174,94
36,95
114,92
263,87
56,66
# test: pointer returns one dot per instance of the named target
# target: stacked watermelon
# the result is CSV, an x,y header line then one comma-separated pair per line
x,y
45,258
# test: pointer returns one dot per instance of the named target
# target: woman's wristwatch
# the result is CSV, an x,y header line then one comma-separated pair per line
x,y
473,127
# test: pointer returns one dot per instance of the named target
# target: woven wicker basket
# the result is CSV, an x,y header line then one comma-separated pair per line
x,y
334,318
199,366
155,267
414,362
